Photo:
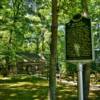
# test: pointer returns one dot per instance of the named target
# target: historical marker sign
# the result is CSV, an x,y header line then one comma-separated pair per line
x,y
78,39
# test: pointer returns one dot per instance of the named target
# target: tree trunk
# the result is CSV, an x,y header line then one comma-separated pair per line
x,y
84,8
86,80
53,51
86,67
37,45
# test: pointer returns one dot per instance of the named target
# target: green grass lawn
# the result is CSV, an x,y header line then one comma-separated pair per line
x,y
24,87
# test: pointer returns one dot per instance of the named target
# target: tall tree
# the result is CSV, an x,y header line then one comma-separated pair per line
x,y
53,51
86,67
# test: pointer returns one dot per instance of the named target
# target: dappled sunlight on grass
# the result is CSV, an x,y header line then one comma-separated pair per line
x,y
94,95
5,78
66,92
35,96
13,94
27,88
21,85
33,88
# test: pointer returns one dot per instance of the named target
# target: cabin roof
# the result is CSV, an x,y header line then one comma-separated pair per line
x,y
29,57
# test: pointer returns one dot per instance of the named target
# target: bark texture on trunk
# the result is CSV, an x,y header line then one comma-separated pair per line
x,y
86,67
86,80
53,51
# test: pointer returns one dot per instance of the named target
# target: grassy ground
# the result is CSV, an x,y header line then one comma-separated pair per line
x,y
32,88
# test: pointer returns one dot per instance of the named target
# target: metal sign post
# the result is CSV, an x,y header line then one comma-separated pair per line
x,y
80,79
79,48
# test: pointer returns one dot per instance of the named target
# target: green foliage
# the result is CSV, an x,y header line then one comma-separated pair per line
x,y
25,25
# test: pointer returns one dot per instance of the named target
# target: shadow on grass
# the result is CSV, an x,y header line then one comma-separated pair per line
x,y
23,88
94,95
66,92
21,79
33,88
